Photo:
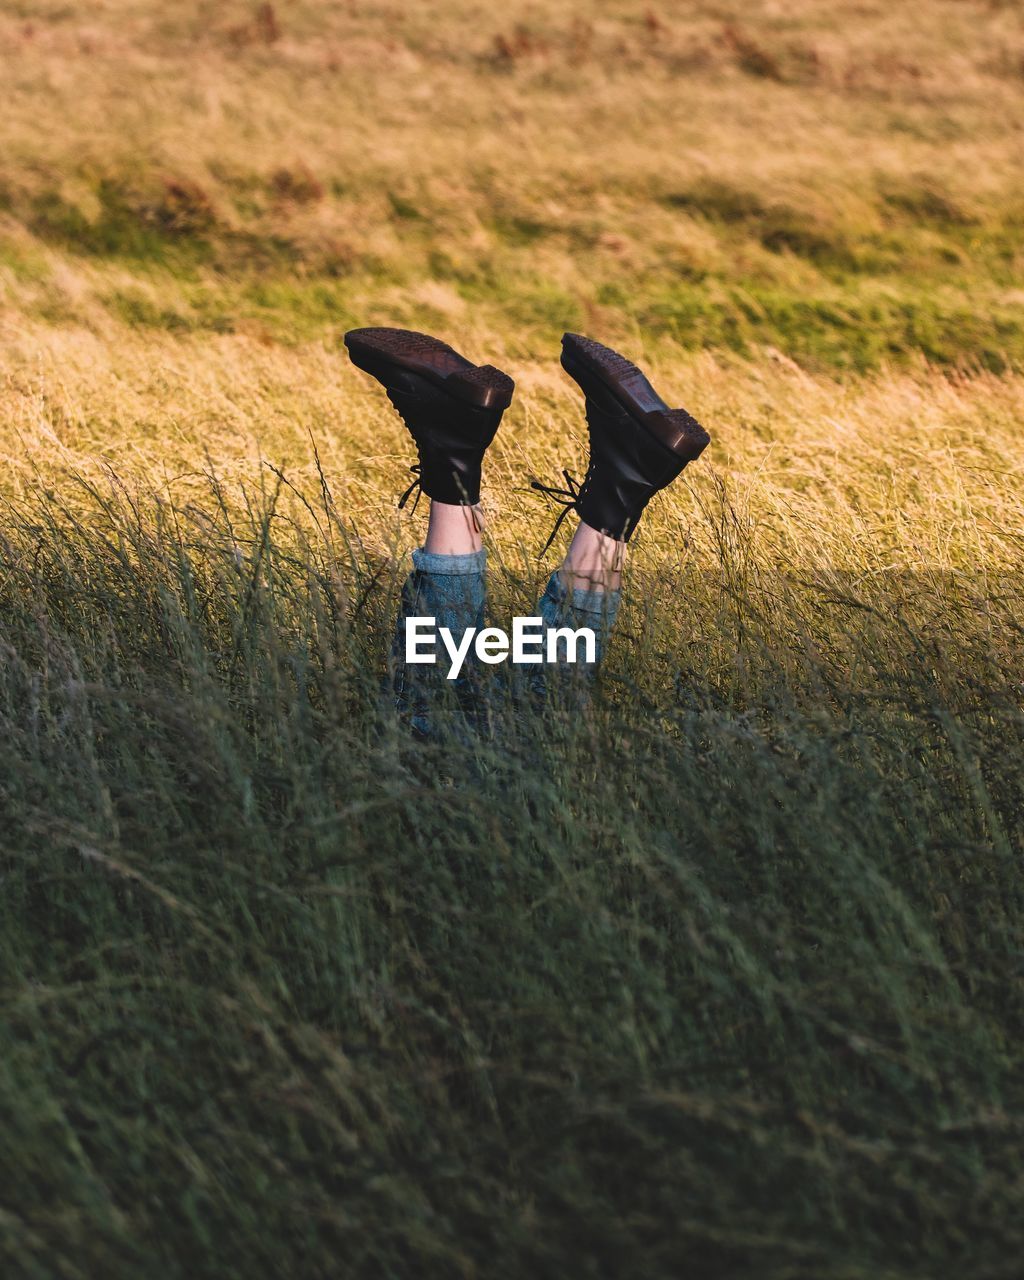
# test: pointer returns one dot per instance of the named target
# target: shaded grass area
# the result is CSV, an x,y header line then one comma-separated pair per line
x,y
721,976
911,271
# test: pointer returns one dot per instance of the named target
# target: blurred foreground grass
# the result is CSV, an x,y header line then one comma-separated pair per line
x,y
722,978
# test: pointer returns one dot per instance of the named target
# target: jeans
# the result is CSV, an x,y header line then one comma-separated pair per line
x,y
452,590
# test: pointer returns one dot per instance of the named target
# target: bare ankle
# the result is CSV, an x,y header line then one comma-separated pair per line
x,y
593,562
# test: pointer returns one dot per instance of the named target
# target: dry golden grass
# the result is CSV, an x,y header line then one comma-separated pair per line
x,y
902,470
393,150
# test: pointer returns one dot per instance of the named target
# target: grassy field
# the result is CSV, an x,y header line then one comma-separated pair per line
x,y
723,978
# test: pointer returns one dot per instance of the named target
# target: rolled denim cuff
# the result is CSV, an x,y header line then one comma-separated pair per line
x,y
603,604
453,566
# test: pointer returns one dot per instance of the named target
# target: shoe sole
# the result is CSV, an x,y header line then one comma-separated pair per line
x,y
397,357
614,382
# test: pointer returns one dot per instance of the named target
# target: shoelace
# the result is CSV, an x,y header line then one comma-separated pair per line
x,y
568,497
415,486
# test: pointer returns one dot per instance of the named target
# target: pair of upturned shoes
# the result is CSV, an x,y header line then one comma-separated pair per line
x,y
452,409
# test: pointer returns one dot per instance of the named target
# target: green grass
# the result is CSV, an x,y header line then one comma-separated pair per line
x,y
907,270
722,977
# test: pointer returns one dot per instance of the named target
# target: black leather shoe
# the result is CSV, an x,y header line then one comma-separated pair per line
x,y
638,445
451,407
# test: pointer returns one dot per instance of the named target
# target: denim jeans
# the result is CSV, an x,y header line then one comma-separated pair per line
x,y
452,590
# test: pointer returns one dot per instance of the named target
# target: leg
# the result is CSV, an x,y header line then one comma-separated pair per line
x,y
452,409
585,590
453,531
448,585
637,447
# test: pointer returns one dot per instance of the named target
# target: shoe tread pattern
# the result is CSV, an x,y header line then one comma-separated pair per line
x,y
429,357
409,345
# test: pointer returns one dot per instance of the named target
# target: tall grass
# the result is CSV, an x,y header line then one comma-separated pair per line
x,y
718,976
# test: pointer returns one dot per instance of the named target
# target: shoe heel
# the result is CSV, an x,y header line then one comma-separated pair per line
x,y
485,386
678,431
